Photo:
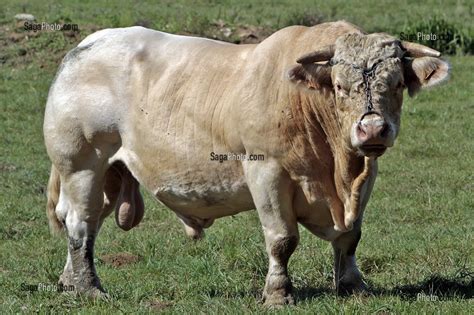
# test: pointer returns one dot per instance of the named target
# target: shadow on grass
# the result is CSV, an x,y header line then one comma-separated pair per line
x,y
309,293
460,286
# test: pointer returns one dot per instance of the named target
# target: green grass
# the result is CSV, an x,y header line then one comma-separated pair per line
x,y
417,235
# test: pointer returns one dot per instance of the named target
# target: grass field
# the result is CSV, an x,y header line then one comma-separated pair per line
x,y
417,246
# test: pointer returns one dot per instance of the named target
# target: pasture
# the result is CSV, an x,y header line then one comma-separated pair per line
x,y
416,251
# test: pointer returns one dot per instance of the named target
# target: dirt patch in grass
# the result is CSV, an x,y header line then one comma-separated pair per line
x,y
157,305
251,34
20,47
118,260
7,167
238,34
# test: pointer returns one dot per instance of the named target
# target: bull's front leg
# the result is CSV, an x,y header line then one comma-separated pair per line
x,y
347,277
279,245
271,192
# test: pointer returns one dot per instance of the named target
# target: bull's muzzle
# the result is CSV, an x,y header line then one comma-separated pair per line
x,y
372,135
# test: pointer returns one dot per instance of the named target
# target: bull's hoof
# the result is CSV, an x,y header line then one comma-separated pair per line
x,y
277,300
68,286
92,293
347,288
66,279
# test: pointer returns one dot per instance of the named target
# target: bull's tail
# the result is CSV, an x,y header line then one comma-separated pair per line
x,y
54,185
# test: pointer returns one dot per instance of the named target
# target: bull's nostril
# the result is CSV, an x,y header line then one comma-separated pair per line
x,y
384,131
360,129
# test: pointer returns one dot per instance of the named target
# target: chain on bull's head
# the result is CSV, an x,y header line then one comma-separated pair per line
x,y
367,76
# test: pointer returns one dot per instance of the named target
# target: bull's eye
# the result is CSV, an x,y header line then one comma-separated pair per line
x,y
340,90
380,87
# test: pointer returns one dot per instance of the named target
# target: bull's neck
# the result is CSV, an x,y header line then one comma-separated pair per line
x,y
318,120
340,172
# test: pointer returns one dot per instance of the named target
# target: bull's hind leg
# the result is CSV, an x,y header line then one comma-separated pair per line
x,y
80,207
271,192
347,277
112,190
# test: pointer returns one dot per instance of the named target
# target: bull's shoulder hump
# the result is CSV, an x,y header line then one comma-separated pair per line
x,y
330,31
341,25
324,32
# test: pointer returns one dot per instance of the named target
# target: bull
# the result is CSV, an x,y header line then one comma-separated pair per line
x,y
134,106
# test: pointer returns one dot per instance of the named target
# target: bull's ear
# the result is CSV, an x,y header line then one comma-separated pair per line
x,y
424,72
312,76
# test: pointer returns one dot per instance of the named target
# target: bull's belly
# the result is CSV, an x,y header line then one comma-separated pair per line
x,y
205,201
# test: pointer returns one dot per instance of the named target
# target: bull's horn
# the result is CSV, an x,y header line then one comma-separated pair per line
x,y
323,54
418,50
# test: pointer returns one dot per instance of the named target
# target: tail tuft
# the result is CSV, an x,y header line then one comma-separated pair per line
x,y
54,185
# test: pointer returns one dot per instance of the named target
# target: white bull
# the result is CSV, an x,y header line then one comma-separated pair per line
x,y
134,107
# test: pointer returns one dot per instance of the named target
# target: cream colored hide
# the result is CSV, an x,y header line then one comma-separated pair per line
x,y
134,106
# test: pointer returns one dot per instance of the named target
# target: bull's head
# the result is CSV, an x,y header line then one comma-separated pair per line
x,y
368,74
